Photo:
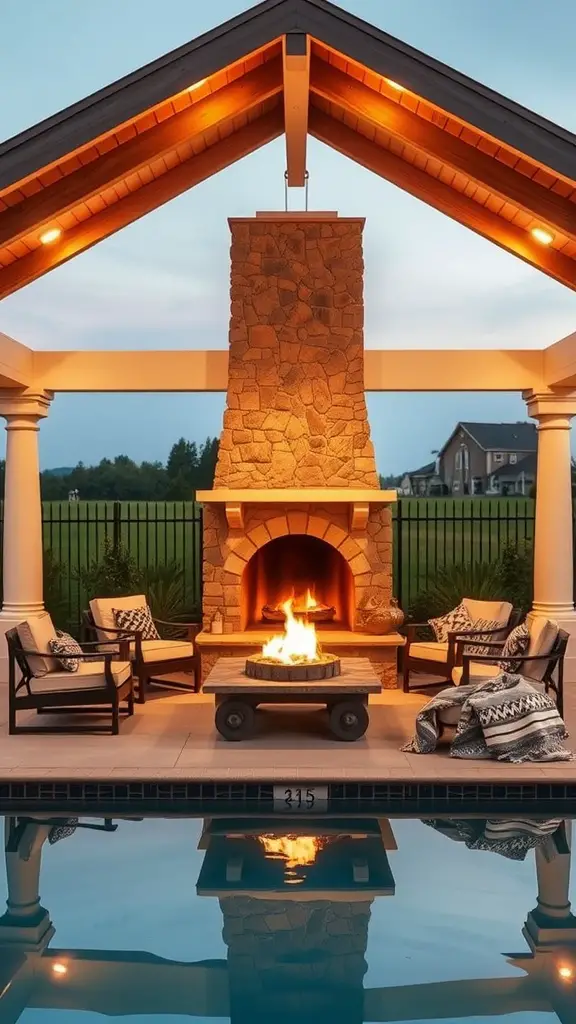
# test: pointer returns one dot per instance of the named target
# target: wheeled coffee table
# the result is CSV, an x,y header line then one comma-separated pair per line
x,y
345,697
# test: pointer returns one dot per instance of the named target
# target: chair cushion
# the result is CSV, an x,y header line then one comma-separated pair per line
x,y
103,615
478,671
430,651
450,716
137,620
90,676
35,635
499,611
160,650
67,650
457,619
515,645
543,634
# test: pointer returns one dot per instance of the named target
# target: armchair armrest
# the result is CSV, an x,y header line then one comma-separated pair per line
x,y
187,630
486,659
412,628
463,640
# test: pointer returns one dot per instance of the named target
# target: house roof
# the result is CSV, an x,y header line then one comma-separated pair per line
x,y
428,470
527,464
506,437
292,67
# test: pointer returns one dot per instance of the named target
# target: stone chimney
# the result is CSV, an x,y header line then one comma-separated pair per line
x,y
296,412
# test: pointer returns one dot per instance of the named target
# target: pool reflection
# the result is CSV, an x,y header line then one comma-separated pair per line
x,y
296,904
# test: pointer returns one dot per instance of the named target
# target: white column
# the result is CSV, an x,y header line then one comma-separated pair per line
x,y
22,573
553,548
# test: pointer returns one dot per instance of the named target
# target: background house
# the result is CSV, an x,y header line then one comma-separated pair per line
x,y
479,458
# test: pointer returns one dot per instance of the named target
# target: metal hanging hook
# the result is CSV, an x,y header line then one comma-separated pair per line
x,y
306,179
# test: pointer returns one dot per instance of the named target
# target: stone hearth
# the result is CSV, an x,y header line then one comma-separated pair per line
x,y
296,482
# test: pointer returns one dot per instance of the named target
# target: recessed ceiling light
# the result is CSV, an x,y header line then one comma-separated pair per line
x,y
542,236
395,85
59,968
197,84
52,235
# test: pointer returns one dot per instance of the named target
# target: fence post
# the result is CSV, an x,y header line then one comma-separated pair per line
x,y
116,525
399,551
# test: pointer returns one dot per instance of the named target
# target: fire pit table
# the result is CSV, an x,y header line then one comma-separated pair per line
x,y
345,696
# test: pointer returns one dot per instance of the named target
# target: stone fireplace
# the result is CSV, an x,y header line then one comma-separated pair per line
x,y
296,507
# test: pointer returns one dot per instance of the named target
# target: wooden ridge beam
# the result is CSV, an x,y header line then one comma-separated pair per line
x,y
442,197
296,77
41,209
509,185
20,273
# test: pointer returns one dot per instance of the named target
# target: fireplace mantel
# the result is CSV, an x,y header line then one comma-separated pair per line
x,y
358,500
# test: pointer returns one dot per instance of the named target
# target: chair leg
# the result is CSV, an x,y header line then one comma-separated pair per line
x,y
142,687
115,717
406,675
131,701
12,719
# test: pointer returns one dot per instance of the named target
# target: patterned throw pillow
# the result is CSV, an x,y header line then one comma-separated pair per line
x,y
515,644
65,647
136,620
476,648
457,619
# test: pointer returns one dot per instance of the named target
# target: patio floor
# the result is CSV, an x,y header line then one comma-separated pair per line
x,y
173,737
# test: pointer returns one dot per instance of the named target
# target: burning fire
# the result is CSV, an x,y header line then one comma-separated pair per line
x,y
298,643
297,851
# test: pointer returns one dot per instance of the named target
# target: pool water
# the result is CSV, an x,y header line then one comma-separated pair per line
x,y
269,920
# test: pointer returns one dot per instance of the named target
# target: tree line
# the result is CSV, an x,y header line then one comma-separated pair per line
x,y
190,467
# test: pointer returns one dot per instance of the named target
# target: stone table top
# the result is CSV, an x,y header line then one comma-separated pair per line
x,y
228,676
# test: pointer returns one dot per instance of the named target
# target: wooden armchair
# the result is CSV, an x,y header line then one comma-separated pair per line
x,y
103,679
152,660
424,654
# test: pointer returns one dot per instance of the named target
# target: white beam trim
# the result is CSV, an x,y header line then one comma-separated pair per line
x,y
16,363
385,370
560,363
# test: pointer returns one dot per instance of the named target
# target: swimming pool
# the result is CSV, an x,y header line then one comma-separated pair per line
x,y
269,919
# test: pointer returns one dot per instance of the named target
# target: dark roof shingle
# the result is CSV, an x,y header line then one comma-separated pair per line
x,y
507,437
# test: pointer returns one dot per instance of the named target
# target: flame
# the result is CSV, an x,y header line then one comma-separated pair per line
x,y
310,601
298,643
297,851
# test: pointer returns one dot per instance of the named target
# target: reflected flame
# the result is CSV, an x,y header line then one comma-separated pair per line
x,y
298,643
297,851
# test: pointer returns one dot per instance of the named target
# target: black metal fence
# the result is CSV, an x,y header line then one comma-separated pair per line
x,y
161,536
430,533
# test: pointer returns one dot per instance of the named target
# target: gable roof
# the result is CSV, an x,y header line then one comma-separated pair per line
x,y
507,437
527,464
428,470
460,147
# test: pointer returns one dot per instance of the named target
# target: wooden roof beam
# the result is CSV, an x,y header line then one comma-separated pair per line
x,y
552,210
20,273
442,197
43,208
296,75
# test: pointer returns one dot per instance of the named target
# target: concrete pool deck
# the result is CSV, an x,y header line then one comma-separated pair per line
x,y
172,737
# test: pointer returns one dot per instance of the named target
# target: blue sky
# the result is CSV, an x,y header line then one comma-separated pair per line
x,y
163,282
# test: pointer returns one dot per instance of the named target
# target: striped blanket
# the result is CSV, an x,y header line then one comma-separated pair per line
x,y
505,719
512,839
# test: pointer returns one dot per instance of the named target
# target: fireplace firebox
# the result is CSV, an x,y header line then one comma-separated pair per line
x,y
308,570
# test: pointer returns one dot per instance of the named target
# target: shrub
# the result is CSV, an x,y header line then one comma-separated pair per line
x,y
114,575
509,578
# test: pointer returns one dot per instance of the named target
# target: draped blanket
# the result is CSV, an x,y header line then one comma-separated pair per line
x,y
512,839
505,719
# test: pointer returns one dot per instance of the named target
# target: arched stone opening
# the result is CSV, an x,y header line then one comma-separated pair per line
x,y
292,565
